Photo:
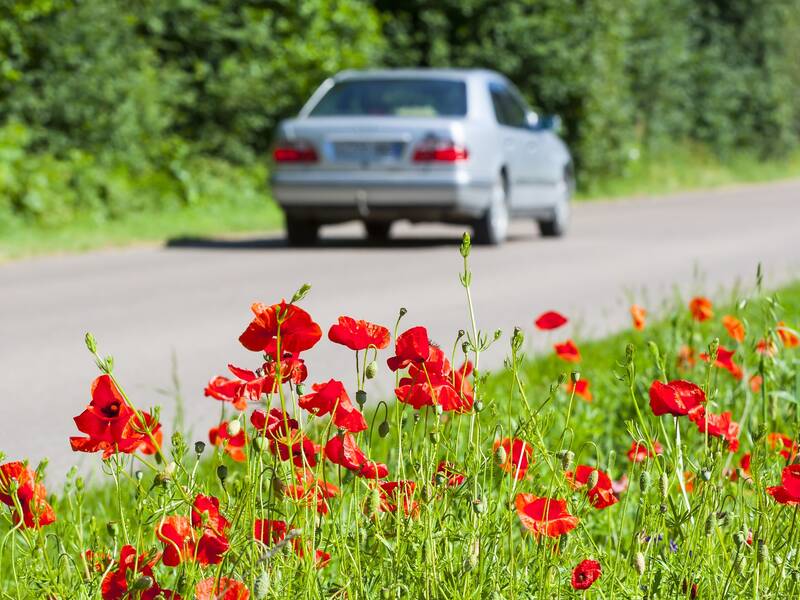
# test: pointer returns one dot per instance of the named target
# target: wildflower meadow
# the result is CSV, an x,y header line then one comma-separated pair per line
x,y
658,463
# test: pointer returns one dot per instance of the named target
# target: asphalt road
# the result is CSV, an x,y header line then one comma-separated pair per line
x,y
190,299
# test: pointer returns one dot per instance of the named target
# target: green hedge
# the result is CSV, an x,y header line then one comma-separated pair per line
x,y
102,87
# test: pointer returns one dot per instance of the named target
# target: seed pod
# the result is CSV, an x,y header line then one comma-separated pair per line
x,y
705,474
361,398
261,588
478,406
301,389
234,427
199,447
594,477
141,584
639,563
222,473
403,311
644,481
372,370
500,456
465,347
383,429
664,485
575,376
565,457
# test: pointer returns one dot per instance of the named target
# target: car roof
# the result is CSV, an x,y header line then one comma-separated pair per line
x,y
457,74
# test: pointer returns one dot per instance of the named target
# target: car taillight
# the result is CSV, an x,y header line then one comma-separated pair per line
x,y
295,151
439,151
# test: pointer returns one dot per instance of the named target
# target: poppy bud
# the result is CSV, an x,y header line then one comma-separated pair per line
x,y
479,506
91,343
738,539
199,447
361,398
705,474
501,455
594,477
478,406
222,473
466,244
517,338
439,478
141,584
301,293
234,427
565,457
474,555
434,437
427,492
111,528
383,429
664,482
260,443
465,347
644,481
372,370
639,563
301,389
663,509
575,376
723,518
416,417
277,484
763,552
374,502
261,587
710,521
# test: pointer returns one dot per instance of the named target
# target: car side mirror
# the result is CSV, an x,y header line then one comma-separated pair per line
x,y
549,123
532,118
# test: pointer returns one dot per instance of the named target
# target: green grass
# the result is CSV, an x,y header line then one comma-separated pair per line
x,y
467,541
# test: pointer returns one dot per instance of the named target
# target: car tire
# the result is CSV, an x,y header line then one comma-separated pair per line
x,y
301,232
378,231
558,225
492,228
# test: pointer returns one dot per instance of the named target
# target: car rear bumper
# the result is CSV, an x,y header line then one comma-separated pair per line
x,y
453,197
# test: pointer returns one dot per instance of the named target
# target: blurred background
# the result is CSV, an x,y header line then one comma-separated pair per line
x,y
134,120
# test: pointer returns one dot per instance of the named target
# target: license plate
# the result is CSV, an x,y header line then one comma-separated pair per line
x,y
368,152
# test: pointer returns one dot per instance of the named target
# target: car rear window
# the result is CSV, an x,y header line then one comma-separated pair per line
x,y
394,97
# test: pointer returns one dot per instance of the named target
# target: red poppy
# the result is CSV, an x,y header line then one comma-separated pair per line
x,y
568,351
638,314
725,361
206,515
550,320
545,516
734,327
410,347
717,425
585,574
112,425
32,497
330,398
396,494
343,450
311,491
274,424
202,538
434,382
233,445
675,398
639,451
297,331
98,561
517,456
789,490
224,589
358,335
451,476
788,336
250,385
269,532
701,309
130,568
601,495
297,447
756,381
581,388
785,445
766,347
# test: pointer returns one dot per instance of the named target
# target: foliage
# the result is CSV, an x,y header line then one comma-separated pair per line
x,y
703,516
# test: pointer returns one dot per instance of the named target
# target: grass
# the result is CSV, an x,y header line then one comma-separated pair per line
x,y
247,207
467,539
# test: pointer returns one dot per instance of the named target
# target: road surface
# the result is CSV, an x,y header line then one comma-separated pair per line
x,y
189,300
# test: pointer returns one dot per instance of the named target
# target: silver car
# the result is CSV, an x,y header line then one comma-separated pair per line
x,y
447,145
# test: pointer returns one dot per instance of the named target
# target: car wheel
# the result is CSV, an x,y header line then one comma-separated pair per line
x,y
492,228
559,223
301,232
378,231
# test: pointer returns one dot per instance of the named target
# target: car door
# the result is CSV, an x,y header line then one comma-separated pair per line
x,y
512,124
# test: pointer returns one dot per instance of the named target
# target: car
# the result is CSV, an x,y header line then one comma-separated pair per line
x,y
445,145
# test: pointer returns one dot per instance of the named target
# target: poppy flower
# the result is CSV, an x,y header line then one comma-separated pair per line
x,y
517,456
274,424
131,568
568,351
233,445
675,398
297,447
343,450
206,515
448,473
397,494
311,491
112,425
734,327
224,589
639,451
332,398
756,381
32,497
269,532
785,445
601,495
545,516
638,314
358,335
725,361
789,490
701,309
298,332
550,320
98,561
434,382
580,387
410,347
789,337
717,425
585,574
766,347
201,539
